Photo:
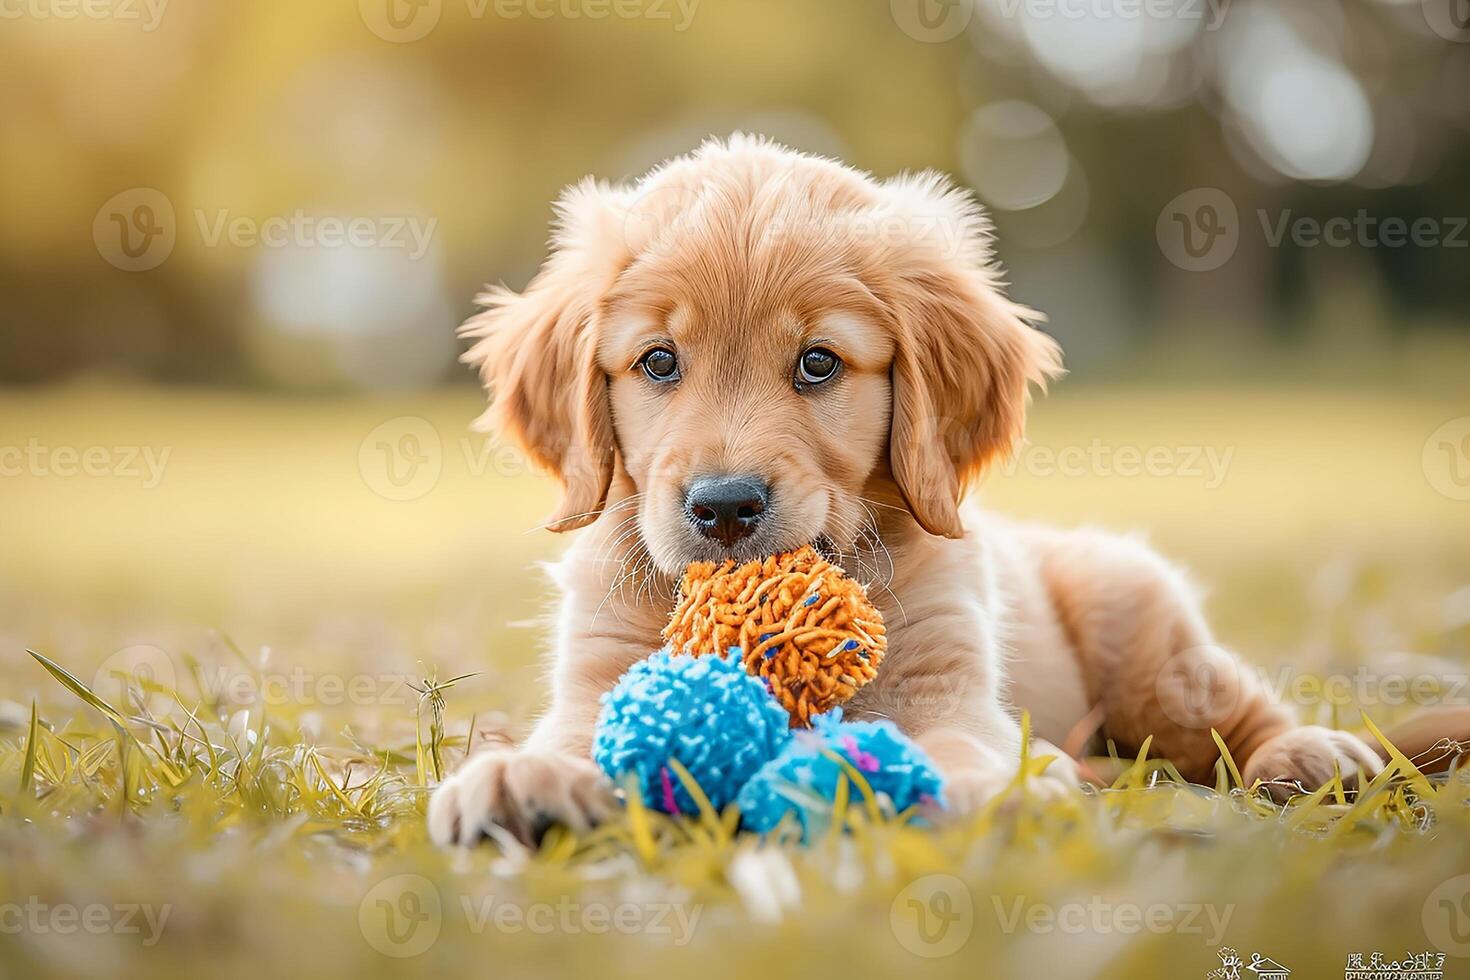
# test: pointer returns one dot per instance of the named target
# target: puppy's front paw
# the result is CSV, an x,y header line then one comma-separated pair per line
x,y
1301,760
970,791
523,792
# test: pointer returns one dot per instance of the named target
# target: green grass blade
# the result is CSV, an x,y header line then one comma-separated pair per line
x,y
1407,768
72,684
1229,759
28,768
691,786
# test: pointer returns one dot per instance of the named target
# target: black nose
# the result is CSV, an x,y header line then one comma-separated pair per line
x,y
726,508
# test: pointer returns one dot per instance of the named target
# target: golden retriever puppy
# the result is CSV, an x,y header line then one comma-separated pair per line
x,y
754,349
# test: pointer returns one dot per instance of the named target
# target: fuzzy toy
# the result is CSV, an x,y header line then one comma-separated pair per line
x,y
812,764
798,621
705,712
771,646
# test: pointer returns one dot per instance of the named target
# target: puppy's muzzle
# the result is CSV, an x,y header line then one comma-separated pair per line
x,y
726,508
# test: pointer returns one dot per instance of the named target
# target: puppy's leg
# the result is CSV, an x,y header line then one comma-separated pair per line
x,y
550,778
1154,667
976,770
940,683
1304,758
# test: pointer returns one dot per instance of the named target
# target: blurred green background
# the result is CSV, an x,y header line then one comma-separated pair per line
x,y
1077,122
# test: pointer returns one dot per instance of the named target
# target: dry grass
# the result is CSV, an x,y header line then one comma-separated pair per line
x,y
262,806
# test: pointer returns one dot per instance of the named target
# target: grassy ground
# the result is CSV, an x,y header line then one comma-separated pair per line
x,y
295,569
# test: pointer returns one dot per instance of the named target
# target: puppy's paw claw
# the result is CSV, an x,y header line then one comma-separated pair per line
x,y
968,793
523,792
1302,760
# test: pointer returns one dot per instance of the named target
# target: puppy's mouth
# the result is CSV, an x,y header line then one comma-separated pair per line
x,y
744,551
761,544
691,537
827,548
756,546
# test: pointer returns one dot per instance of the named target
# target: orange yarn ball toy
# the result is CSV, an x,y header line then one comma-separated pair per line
x,y
800,623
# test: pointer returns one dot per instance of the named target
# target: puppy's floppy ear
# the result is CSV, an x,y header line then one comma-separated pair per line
x,y
537,354
964,358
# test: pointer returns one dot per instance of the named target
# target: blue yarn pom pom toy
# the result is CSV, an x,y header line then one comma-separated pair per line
x,y
807,770
718,721
724,727
727,720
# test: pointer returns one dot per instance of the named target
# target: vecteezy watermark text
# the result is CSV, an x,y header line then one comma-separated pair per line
x,y
402,916
1200,230
1200,687
148,671
1098,916
136,230
937,21
146,13
1211,13
1206,464
1363,230
35,458
97,919
305,230
676,920
405,21
299,686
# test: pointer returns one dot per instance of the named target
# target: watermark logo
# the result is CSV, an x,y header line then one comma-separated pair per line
x,y
404,458
400,21
1199,687
137,674
1199,230
933,916
135,229
932,21
1231,967
1414,966
401,459
1446,915
1450,19
1446,459
401,916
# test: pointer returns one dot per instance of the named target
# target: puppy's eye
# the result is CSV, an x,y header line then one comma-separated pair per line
x,y
816,366
660,365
